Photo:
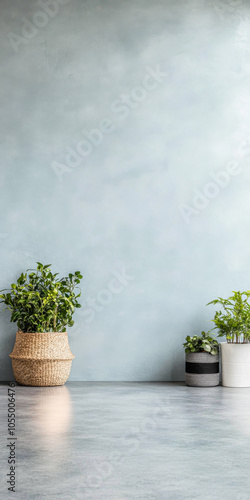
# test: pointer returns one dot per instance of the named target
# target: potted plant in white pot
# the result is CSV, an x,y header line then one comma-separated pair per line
x,y
202,360
42,305
233,322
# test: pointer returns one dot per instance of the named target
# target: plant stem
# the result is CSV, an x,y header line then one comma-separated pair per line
x,y
55,319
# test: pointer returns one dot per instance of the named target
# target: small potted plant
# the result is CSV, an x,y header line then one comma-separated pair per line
x,y
202,360
42,305
232,321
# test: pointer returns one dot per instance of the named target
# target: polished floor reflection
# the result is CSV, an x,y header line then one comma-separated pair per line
x,y
129,441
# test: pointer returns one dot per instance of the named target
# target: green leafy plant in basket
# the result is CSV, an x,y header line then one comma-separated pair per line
x,y
204,342
41,302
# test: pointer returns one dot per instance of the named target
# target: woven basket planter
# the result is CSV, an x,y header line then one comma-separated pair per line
x,y
41,359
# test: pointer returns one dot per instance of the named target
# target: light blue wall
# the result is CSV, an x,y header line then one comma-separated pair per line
x,y
132,202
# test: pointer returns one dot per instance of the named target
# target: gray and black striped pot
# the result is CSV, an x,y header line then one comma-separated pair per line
x,y
202,369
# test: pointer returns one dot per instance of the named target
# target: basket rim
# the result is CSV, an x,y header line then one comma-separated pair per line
x,y
40,333
41,359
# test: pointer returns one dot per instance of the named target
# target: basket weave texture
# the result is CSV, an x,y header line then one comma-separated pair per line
x,y
41,359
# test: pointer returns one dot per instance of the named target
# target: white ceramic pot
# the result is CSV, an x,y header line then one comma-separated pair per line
x,y
235,364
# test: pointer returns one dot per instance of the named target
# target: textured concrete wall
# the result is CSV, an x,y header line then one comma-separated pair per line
x,y
116,118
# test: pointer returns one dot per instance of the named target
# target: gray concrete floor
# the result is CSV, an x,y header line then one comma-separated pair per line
x,y
129,441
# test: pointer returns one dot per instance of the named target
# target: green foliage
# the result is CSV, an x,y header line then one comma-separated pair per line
x,y
233,321
200,344
40,302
